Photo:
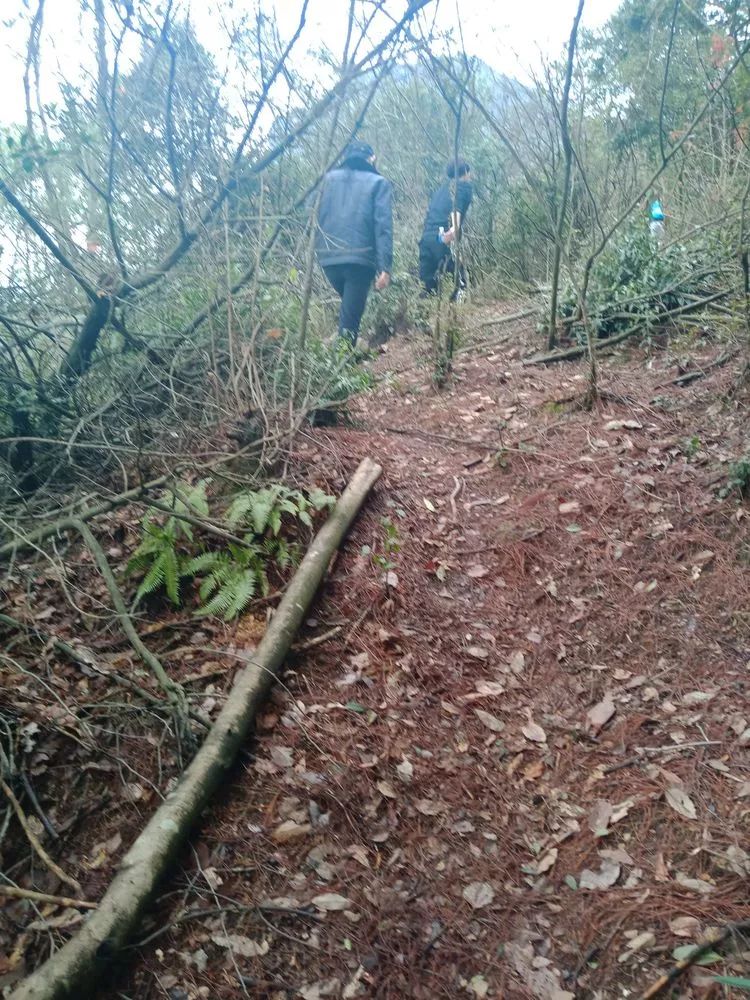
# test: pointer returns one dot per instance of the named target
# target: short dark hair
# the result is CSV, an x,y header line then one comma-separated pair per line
x,y
357,150
457,168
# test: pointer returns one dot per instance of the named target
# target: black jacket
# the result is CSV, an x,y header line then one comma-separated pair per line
x,y
355,223
441,206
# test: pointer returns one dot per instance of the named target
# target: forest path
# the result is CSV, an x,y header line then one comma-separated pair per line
x,y
519,768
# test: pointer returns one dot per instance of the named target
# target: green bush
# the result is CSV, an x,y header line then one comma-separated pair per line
x,y
636,281
398,310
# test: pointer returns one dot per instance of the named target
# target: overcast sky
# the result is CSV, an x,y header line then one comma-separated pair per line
x,y
507,34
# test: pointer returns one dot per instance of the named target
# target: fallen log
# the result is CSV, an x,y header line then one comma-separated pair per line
x,y
577,352
71,972
509,318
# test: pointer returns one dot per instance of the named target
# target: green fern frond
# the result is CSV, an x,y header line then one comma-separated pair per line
x,y
222,571
152,580
197,498
200,564
218,605
320,500
274,520
288,506
262,577
262,509
281,554
242,589
171,575
239,508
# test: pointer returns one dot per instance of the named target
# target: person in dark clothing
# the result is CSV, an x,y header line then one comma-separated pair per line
x,y
354,241
445,215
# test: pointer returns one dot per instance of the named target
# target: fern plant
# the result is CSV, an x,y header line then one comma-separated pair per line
x,y
157,557
262,510
230,577
234,575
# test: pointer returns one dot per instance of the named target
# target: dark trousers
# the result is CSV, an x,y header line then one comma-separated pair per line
x,y
435,261
352,283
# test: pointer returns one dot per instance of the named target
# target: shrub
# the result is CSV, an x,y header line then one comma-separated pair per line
x,y
636,281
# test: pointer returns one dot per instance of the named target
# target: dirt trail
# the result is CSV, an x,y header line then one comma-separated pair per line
x,y
523,755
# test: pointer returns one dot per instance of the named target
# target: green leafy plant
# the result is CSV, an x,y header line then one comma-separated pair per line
x,y
736,981
692,446
231,576
635,281
262,510
157,557
318,372
391,547
234,575
398,311
739,478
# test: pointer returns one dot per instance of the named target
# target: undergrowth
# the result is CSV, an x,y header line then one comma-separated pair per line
x,y
635,280
174,549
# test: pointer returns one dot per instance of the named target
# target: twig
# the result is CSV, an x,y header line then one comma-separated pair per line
x,y
37,807
85,659
417,432
476,552
208,526
497,502
475,461
636,758
66,523
14,892
452,499
689,377
597,950
508,319
682,966
34,840
317,641
172,690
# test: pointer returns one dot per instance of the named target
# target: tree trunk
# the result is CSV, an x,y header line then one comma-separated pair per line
x,y
78,359
568,155
71,972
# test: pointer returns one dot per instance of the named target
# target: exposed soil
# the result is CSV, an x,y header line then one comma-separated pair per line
x,y
519,767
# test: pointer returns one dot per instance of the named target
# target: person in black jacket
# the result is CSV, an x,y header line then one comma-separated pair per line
x,y
445,215
354,242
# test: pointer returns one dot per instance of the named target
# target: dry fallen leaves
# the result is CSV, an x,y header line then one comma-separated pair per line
x,y
517,662
680,801
283,756
688,927
429,807
479,894
534,732
289,830
387,790
546,862
599,817
694,884
331,901
405,771
490,689
245,947
490,721
600,714
606,877
570,507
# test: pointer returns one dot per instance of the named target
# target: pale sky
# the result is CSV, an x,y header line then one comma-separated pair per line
x,y
509,35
